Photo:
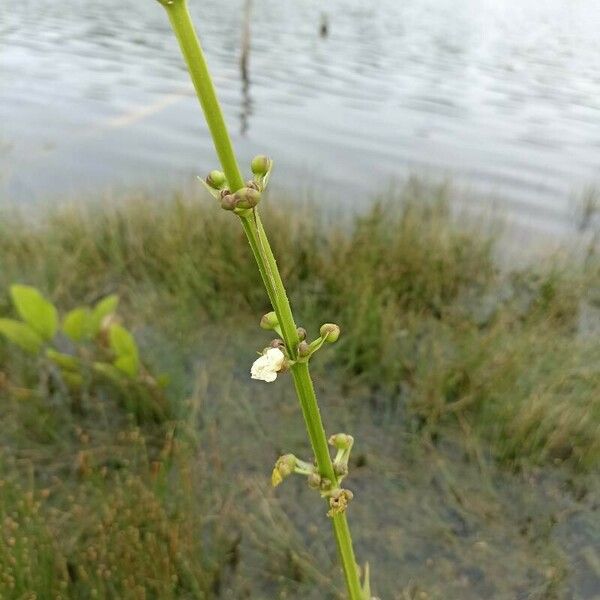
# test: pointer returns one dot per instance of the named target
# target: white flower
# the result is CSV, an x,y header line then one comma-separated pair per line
x,y
265,367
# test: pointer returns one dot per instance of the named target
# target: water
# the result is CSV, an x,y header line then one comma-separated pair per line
x,y
504,97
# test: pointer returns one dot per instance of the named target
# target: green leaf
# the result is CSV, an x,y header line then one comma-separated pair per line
x,y
127,364
35,310
126,350
367,584
77,324
66,361
106,306
22,335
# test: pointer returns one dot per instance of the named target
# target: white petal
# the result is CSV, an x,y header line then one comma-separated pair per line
x,y
276,358
265,367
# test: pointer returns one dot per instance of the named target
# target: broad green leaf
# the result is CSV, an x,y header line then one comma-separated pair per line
x,y
106,306
21,334
125,348
121,341
66,361
77,324
127,364
35,310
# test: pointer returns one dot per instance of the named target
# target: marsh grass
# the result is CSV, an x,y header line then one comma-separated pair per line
x,y
445,358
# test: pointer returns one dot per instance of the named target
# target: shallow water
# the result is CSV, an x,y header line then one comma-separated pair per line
x,y
504,97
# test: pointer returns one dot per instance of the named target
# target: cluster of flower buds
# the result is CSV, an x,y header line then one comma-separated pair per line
x,y
337,497
247,197
328,334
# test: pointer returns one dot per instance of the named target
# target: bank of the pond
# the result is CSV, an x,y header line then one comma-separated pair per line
x,y
473,393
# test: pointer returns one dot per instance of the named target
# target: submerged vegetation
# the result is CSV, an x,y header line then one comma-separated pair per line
x,y
477,389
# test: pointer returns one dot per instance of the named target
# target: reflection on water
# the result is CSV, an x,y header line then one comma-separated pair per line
x,y
246,104
503,96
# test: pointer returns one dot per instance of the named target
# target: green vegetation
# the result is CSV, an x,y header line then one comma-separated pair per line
x,y
474,392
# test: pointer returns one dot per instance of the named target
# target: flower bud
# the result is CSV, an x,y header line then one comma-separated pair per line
x,y
247,198
260,165
269,321
253,184
228,202
340,469
314,481
330,332
216,180
341,441
301,333
284,467
303,349
277,343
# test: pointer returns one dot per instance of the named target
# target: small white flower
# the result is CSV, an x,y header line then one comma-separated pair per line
x,y
265,367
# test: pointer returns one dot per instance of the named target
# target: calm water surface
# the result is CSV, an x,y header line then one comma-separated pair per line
x,y
502,95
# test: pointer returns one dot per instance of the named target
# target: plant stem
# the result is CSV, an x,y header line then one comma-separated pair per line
x,y
194,57
205,90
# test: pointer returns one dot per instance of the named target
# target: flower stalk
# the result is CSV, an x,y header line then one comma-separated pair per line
x,y
191,49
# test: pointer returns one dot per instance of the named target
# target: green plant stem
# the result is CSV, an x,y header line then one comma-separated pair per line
x,y
205,90
194,57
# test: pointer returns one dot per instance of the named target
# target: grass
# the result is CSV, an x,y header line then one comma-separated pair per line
x,y
461,380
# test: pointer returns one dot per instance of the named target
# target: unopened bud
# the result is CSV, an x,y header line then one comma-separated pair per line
x,y
228,202
269,321
303,349
253,184
301,333
340,469
330,332
247,198
260,165
284,467
216,180
277,343
314,481
341,441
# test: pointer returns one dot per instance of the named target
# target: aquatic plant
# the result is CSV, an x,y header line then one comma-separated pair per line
x,y
292,350
85,350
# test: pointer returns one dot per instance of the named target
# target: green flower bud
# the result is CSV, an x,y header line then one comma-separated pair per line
x,y
341,441
216,180
330,332
228,202
260,165
247,198
301,333
284,467
269,321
